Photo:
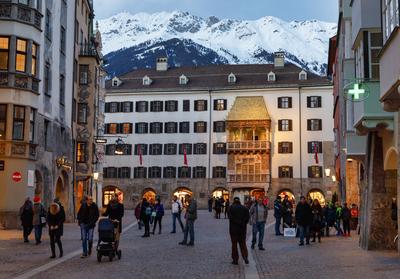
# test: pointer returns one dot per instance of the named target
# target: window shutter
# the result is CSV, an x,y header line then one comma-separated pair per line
x,y
280,171
309,144
136,128
137,107
290,125
308,101
279,125
130,106
320,124
205,127
279,102
291,172
309,124
128,149
107,107
214,172
224,172
279,147
119,173
320,147
147,106
205,105
195,105
146,127
107,128
291,147
225,104
214,148
195,127
176,105
290,102
320,172
130,128
309,172
319,102
215,104
165,149
215,126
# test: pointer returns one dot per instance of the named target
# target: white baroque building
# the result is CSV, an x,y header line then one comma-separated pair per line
x,y
231,130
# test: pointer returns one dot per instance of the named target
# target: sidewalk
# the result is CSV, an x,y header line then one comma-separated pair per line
x,y
16,257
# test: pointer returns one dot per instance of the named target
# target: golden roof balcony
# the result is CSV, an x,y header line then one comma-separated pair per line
x,y
249,146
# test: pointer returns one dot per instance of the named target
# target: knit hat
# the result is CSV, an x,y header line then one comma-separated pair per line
x,y
36,199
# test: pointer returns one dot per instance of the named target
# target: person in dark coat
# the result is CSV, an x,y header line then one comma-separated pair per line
x,y
238,218
227,204
145,214
62,212
137,215
159,209
330,217
88,215
346,216
55,221
115,211
278,214
210,203
287,208
317,220
218,208
26,217
304,220
190,217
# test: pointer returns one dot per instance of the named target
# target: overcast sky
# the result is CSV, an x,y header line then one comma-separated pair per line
x,y
288,10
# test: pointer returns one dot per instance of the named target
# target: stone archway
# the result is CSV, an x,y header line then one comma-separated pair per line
x,y
289,193
109,191
318,195
62,191
181,193
221,192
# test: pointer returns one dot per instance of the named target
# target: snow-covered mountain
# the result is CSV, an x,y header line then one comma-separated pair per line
x,y
135,41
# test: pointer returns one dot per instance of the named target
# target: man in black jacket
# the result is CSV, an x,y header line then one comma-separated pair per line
x,y
304,220
278,215
88,215
238,218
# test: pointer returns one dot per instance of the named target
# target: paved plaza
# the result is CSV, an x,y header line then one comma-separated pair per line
x,y
160,256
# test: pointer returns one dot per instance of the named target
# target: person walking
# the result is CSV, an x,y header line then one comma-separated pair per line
x,y
227,204
26,217
176,208
39,219
190,217
115,211
354,216
88,215
238,218
338,219
159,209
287,208
55,221
278,214
145,215
137,215
210,203
346,215
330,217
218,207
258,218
303,220
316,210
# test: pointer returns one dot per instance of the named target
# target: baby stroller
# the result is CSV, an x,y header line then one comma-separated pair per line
x,y
108,239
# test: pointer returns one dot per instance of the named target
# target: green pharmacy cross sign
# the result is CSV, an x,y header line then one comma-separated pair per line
x,y
356,92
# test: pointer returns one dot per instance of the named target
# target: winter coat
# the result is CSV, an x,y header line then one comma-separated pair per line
x,y
88,215
55,220
304,214
238,218
137,211
159,209
254,211
317,216
287,208
143,215
115,211
277,209
346,215
38,212
26,214
330,215
191,211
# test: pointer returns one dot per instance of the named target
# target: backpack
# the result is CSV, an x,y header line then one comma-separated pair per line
x,y
148,211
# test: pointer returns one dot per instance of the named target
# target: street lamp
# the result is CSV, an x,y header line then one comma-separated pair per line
x,y
333,178
328,172
95,179
119,147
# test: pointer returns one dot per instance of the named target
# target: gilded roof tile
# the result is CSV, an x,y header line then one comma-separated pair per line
x,y
248,108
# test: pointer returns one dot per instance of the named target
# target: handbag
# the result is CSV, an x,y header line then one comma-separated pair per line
x,y
154,214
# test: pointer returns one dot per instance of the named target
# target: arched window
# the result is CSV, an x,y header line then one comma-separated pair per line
x,y
147,81
271,76
232,78
183,80
303,75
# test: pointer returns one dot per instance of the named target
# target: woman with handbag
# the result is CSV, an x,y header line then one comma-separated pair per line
x,y
39,219
159,213
55,220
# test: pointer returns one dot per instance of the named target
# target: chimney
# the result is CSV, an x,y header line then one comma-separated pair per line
x,y
162,64
279,59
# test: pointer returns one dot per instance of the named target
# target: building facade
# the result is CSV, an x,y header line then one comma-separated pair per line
x,y
242,130
35,107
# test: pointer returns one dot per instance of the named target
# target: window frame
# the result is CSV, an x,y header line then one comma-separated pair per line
x,y
82,118
6,51
311,126
283,103
200,105
285,172
285,147
81,146
19,121
3,121
285,127
196,127
23,53
83,74
314,101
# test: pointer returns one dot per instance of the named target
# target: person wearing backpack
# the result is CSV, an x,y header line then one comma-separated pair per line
x,y
176,209
145,215
159,210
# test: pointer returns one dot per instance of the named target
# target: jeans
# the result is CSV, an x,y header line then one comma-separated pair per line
x,y
243,247
157,220
277,226
258,227
304,232
189,229
38,233
174,217
86,236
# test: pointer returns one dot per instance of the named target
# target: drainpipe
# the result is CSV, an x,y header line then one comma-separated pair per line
x,y
209,144
301,145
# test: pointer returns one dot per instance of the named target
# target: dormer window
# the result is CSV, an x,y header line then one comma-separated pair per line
x,y
147,81
183,80
115,82
303,75
271,76
232,78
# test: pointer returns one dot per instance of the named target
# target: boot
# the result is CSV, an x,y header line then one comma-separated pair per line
x,y
90,247
61,249
53,251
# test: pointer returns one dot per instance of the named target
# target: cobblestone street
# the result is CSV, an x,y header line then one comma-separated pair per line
x,y
160,256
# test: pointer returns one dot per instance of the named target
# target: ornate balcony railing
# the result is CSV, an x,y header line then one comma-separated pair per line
x,y
20,13
19,81
88,50
257,145
249,178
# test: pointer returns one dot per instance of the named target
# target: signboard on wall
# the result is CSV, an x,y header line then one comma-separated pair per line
x,y
31,178
2,165
16,176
